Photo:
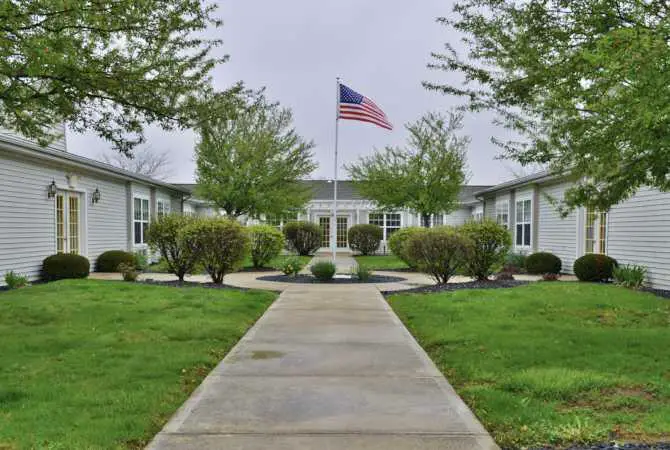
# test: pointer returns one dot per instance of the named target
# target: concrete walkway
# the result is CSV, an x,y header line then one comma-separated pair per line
x,y
327,367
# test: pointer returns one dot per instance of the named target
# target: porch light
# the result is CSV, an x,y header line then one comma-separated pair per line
x,y
95,197
51,189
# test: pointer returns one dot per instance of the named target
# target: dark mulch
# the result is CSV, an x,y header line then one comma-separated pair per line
x,y
308,279
191,284
658,446
493,284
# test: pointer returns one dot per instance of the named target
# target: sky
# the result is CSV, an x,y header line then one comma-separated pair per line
x,y
297,48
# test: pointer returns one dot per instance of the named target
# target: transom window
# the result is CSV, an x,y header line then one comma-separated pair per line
x,y
388,222
595,232
502,213
162,208
140,219
523,223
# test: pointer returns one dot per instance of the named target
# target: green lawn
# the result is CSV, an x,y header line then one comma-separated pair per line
x,y
100,364
381,262
552,363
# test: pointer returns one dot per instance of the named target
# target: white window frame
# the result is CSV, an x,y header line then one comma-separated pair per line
x,y
385,219
142,198
502,209
163,207
523,222
600,223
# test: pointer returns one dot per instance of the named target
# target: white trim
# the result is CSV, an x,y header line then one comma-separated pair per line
x,y
142,245
518,200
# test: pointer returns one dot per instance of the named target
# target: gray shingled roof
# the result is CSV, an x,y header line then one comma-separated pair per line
x,y
323,190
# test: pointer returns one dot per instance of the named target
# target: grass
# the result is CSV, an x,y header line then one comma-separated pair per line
x,y
381,262
100,364
552,363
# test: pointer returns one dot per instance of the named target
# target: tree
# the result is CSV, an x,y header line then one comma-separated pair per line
x,y
426,177
252,165
585,83
146,161
104,66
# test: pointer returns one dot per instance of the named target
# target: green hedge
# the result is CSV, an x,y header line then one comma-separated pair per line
x,y
110,260
365,238
541,263
594,267
65,265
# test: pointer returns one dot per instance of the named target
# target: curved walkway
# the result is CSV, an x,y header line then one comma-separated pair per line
x,y
327,367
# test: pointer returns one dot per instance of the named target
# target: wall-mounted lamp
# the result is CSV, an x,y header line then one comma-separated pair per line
x,y
52,190
95,197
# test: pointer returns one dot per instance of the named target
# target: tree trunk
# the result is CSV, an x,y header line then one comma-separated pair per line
x,y
425,220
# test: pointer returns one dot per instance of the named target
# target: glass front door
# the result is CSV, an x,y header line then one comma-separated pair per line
x,y
324,224
68,222
342,228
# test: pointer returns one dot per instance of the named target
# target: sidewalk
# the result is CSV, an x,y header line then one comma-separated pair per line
x,y
327,367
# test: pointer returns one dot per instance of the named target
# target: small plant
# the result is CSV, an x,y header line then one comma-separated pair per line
x,y
630,276
550,276
323,270
65,265
129,271
362,273
291,266
141,260
15,281
594,267
365,238
505,276
515,262
541,263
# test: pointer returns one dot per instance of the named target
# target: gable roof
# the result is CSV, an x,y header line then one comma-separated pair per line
x,y
537,177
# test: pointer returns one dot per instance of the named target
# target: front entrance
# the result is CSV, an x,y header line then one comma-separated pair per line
x,y
68,222
342,229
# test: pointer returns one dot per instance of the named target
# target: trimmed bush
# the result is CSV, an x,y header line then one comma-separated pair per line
x,y
365,238
266,243
219,243
594,267
438,252
129,272
541,263
630,276
141,260
303,237
397,243
291,266
15,280
109,261
489,244
166,234
65,265
323,270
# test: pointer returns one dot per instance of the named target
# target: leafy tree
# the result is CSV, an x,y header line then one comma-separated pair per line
x,y
426,177
252,165
585,83
105,66
145,161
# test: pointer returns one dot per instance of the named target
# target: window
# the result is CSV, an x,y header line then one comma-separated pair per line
x,y
140,219
438,220
523,223
162,208
279,221
388,222
502,213
595,232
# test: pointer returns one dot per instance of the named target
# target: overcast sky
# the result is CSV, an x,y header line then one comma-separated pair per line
x,y
296,49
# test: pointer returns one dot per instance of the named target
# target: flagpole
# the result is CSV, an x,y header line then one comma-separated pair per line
x,y
333,225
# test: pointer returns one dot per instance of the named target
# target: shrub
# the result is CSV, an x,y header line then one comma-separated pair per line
x,y
166,234
365,238
303,237
323,270
594,267
397,243
550,276
141,261
219,243
65,265
129,272
266,243
14,280
489,244
515,262
630,276
361,272
438,251
504,276
109,261
543,262
291,266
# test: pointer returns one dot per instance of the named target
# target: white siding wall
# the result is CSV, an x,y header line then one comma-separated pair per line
x,y
27,215
555,234
458,217
58,144
639,231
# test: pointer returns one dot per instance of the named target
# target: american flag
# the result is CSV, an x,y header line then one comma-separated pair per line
x,y
354,106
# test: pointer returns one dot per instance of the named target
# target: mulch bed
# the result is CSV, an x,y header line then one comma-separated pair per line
x,y
658,446
308,279
493,284
191,284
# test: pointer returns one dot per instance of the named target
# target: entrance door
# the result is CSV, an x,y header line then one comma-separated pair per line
x,y
68,222
324,224
342,228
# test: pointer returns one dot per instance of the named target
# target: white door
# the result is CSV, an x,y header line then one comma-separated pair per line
x,y
68,222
